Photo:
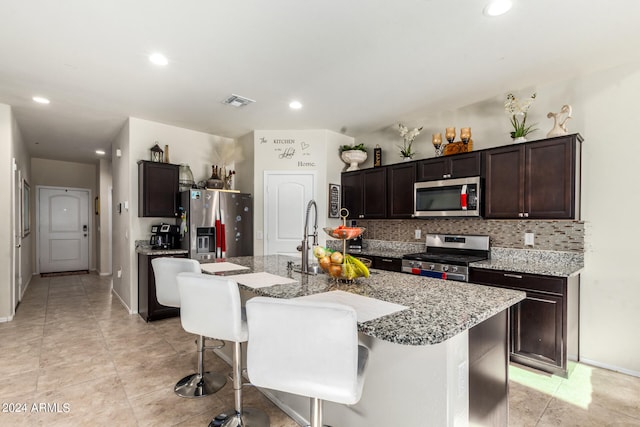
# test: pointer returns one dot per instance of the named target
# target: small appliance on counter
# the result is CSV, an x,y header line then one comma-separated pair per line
x,y
164,236
355,245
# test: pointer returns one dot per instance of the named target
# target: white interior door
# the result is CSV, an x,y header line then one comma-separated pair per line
x,y
286,199
63,229
17,234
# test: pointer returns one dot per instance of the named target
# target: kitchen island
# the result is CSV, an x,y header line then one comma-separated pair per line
x,y
426,361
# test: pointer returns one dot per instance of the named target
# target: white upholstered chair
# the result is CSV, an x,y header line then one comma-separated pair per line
x,y
211,306
166,270
306,348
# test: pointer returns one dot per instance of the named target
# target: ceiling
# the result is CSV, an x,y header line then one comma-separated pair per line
x,y
357,66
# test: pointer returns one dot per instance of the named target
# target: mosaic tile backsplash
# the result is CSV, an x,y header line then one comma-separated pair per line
x,y
549,235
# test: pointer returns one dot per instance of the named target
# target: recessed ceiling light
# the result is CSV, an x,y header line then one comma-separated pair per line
x,y
497,7
41,100
100,152
295,105
158,59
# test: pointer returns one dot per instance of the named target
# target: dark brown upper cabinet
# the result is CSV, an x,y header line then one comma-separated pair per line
x,y
158,189
444,167
535,180
364,193
400,180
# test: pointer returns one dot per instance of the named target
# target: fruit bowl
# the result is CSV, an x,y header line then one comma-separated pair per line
x,y
341,267
344,233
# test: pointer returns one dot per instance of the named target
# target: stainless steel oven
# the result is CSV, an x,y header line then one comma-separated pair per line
x,y
460,197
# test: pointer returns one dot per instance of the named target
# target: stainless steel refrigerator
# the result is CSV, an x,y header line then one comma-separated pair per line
x,y
216,224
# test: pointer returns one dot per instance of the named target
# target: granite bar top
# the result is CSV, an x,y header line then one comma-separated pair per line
x,y
438,309
147,250
546,263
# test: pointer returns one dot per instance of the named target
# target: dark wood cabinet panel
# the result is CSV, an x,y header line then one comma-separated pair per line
x,y
352,193
550,171
148,306
400,180
157,189
455,166
539,323
375,193
364,193
488,372
536,329
536,180
386,263
504,182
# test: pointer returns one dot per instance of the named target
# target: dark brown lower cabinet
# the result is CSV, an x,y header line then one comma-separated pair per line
x,y
148,306
489,372
386,263
544,326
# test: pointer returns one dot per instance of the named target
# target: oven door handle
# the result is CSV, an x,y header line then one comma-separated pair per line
x,y
463,197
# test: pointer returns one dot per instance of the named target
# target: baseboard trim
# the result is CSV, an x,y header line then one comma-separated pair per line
x,y
113,292
6,319
609,367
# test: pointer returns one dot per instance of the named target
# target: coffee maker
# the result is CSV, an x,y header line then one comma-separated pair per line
x,y
355,245
164,236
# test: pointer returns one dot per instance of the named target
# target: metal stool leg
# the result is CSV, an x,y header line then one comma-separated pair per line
x,y
316,412
239,416
201,383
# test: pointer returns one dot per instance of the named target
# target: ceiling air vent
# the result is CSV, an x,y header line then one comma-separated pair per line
x,y
238,101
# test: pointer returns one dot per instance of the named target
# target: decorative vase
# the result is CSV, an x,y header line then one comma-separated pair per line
x,y
353,158
519,139
407,159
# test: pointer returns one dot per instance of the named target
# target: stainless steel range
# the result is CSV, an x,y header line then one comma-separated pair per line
x,y
447,256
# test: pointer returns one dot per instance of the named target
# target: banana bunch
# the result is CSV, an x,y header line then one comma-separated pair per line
x,y
338,265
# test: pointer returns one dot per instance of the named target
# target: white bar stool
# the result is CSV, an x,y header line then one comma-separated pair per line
x,y
306,348
166,270
211,306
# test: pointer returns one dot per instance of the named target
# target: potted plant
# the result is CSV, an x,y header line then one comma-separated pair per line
x,y
353,155
518,111
406,152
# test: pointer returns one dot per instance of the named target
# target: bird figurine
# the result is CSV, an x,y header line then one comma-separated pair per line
x,y
559,121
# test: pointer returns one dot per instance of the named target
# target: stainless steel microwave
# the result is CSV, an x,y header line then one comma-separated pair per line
x,y
448,197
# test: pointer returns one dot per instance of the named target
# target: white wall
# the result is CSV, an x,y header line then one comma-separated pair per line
x,y
105,182
121,222
605,108
312,150
6,239
197,149
11,146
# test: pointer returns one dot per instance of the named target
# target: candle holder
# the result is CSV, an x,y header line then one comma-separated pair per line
x,y
450,134
436,139
465,135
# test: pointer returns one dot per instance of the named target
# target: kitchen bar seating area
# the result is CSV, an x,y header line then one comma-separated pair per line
x,y
73,345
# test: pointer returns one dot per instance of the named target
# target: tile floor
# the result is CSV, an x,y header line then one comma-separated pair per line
x,y
73,357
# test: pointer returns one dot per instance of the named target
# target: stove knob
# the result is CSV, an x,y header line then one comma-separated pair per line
x,y
454,268
445,268
432,267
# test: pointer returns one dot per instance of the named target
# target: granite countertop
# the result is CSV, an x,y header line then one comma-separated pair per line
x,y
546,263
438,309
147,250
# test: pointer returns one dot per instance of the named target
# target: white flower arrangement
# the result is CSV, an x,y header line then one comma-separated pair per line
x,y
408,136
516,109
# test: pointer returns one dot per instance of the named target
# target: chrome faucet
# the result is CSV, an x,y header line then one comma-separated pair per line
x,y
305,238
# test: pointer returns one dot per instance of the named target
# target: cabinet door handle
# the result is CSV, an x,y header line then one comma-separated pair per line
x,y
520,214
386,260
360,216
514,276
